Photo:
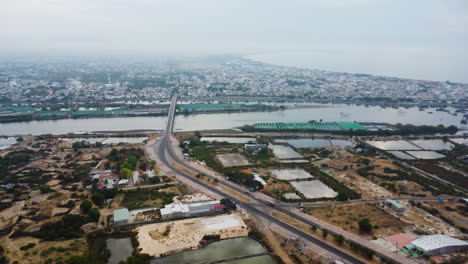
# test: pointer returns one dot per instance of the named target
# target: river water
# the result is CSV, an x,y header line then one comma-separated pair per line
x,y
328,113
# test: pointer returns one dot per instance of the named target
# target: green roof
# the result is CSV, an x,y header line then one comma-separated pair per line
x,y
99,112
121,215
52,113
351,126
18,108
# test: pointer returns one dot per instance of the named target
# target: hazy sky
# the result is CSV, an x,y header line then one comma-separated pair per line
x,y
424,39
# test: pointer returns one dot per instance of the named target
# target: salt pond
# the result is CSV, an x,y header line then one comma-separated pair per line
x,y
341,142
234,140
401,155
284,152
426,154
433,144
314,189
120,249
393,145
290,174
460,140
224,249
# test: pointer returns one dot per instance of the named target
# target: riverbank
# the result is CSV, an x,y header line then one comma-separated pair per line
x,y
216,121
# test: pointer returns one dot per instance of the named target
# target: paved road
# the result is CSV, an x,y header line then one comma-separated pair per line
x,y
166,155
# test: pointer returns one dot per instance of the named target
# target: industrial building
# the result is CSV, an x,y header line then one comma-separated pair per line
x,y
434,245
180,210
121,216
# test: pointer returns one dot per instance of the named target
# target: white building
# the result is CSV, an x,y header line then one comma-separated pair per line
x,y
436,245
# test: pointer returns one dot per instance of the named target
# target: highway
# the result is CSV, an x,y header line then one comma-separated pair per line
x,y
164,150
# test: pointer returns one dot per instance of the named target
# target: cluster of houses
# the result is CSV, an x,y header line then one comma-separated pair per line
x,y
107,179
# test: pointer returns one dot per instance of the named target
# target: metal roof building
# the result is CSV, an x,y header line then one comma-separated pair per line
x,y
436,244
395,205
121,216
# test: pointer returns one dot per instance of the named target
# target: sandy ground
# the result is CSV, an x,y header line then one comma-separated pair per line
x,y
193,198
176,236
35,255
427,222
362,185
9,215
232,160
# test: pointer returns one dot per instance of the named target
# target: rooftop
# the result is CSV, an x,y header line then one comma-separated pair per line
x,y
432,242
394,203
121,214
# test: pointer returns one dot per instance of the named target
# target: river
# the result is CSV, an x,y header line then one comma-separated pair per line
x,y
328,113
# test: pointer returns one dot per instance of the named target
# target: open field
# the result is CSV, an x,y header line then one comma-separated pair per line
x,y
176,236
290,174
232,160
348,216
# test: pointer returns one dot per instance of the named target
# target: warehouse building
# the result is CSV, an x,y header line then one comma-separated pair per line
x,y
435,245
121,216
180,210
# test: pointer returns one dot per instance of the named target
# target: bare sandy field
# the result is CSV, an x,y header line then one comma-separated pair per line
x,y
176,236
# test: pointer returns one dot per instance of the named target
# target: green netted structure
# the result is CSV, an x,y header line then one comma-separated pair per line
x,y
20,109
325,126
99,112
221,107
44,114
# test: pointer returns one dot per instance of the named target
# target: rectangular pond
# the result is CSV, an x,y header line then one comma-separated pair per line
x,y
426,154
216,251
341,143
120,249
290,174
284,152
433,144
306,142
234,140
401,155
314,189
463,141
393,145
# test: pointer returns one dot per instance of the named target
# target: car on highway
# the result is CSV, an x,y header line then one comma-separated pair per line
x,y
271,203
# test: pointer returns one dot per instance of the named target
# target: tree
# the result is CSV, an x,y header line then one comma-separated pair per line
x,y
94,214
324,233
365,226
126,165
85,206
45,189
154,180
125,173
132,160
78,260
339,239
98,198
